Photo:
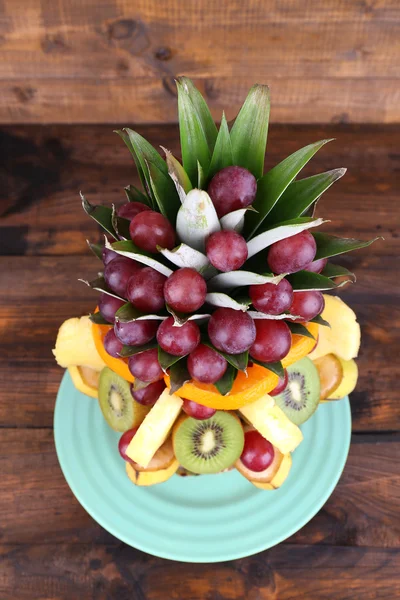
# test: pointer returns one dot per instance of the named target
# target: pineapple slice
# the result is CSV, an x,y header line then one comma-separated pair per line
x,y
273,424
155,429
343,337
75,345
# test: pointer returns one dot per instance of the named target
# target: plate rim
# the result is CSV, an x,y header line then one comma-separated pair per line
x,y
109,527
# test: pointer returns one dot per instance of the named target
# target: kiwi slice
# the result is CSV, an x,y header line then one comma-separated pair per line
x,y
116,402
208,446
300,398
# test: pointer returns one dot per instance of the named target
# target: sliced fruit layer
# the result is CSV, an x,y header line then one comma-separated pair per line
x,y
117,405
208,446
75,345
349,381
80,377
162,458
146,478
280,476
344,335
300,399
330,374
155,429
273,424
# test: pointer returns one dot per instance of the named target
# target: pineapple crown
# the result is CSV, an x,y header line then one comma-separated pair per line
x,y
284,206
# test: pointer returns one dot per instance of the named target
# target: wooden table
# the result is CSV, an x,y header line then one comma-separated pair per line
x,y
50,547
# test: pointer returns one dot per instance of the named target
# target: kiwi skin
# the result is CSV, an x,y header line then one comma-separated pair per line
x,y
303,378
117,404
226,425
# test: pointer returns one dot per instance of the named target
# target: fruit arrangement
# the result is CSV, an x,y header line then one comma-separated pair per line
x,y
212,340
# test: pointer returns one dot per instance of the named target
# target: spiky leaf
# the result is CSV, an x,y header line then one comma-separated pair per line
x,y
307,281
164,192
194,144
233,279
103,216
225,384
222,156
128,351
223,300
182,318
318,319
238,361
271,187
330,245
284,316
135,195
179,375
197,219
98,319
283,231
120,226
178,175
301,194
97,249
299,329
166,360
185,256
129,249
275,367
99,285
201,177
128,313
333,271
203,112
250,130
234,221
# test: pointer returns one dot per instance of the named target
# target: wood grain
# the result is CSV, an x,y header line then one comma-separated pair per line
x,y
108,61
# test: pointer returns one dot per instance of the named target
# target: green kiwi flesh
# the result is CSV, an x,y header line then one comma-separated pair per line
x,y
300,398
115,400
211,445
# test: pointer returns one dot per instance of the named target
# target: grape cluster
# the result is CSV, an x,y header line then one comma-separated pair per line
x,y
230,331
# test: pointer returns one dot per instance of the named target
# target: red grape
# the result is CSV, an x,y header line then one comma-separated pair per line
x,y
145,366
149,395
112,345
124,442
131,209
307,305
226,250
206,365
231,331
108,255
118,272
136,333
317,265
232,188
178,341
145,290
108,306
258,453
272,299
292,254
281,385
150,229
197,411
185,290
273,340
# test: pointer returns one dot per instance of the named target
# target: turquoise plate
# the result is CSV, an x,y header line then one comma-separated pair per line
x,y
196,519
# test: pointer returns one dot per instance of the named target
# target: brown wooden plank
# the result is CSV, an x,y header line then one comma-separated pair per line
x,y
39,293
363,510
152,100
44,168
62,572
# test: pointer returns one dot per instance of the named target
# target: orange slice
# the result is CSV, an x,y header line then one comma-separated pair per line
x,y
259,381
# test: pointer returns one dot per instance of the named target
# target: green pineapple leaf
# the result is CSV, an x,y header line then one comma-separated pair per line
x,y
233,279
318,319
250,130
301,194
178,175
272,185
138,159
166,360
299,329
99,285
194,145
225,384
333,271
128,313
201,177
203,112
307,281
97,249
128,249
164,192
103,216
275,367
135,195
281,232
330,245
128,351
98,319
222,156
185,256
223,300
120,226
179,375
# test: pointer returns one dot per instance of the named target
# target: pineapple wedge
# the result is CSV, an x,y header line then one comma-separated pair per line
x,y
155,429
75,345
273,424
344,335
